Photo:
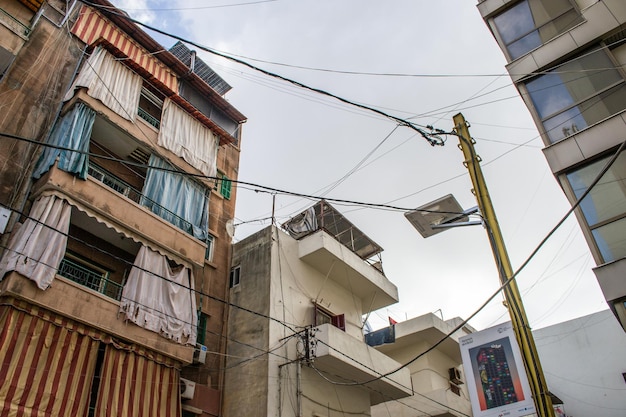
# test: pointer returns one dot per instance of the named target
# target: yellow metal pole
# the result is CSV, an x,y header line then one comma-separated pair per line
x,y
539,388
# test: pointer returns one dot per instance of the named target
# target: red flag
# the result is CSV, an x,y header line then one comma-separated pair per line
x,y
392,321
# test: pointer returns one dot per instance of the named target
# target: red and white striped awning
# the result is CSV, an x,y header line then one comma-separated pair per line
x,y
48,366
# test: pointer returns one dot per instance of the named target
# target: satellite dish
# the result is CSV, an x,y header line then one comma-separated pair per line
x,y
230,228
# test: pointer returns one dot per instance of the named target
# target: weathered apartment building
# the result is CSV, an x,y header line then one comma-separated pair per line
x,y
302,352
566,58
116,157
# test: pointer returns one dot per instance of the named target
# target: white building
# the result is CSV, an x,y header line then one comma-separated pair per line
x,y
584,362
297,347
437,374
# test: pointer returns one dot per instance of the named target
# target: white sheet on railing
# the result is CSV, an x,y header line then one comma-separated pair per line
x,y
111,82
188,138
36,248
159,298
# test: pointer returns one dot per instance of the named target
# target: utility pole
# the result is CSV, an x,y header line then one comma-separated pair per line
x,y
538,386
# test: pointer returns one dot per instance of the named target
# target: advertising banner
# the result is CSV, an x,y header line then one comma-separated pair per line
x,y
496,379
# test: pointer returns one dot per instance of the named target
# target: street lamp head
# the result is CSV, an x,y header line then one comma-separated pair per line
x,y
443,211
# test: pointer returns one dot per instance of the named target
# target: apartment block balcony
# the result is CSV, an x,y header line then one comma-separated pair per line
x,y
331,244
116,205
69,299
338,353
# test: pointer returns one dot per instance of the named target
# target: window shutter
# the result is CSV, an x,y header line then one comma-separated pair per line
x,y
339,322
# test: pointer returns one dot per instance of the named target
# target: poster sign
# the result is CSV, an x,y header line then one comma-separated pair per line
x,y
496,379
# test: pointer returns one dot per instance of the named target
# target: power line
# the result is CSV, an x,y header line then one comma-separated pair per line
x,y
428,136
265,188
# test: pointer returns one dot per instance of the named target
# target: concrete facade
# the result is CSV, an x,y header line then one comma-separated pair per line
x,y
43,49
297,348
567,59
584,362
437,376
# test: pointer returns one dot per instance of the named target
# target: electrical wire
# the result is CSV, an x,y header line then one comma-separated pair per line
x,y
426,135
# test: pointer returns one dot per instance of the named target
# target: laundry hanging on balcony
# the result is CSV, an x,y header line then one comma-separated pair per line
x,y
176,198
36,249
111,82
72,131
188,138
159,298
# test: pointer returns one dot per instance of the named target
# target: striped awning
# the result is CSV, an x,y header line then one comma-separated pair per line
x,y
134,384
49,367
93,28
47,364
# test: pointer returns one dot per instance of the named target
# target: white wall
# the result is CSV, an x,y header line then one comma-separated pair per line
x,y
583,361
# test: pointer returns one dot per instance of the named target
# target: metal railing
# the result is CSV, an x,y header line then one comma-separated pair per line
x,y
148,118
90,277
13,23
118,185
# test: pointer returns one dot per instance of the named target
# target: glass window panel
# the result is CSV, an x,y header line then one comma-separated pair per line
x,y
560,25
607,200
530,23
549,94
515,22
545,11
527,43
586,114
564,124
611,240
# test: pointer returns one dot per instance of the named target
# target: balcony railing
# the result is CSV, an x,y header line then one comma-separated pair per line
x,y
90,277
118,185
148,118
17,26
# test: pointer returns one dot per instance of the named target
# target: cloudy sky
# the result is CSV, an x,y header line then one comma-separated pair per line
x,y
415,59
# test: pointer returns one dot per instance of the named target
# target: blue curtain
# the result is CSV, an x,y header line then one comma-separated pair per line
x,y
176,198
71,131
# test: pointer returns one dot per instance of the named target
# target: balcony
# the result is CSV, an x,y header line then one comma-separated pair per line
x,y
321,251
361,365
113,206
69,299
332,245
430,374
90,276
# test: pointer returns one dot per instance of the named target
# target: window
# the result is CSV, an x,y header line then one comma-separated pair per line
x,y
235,276
578,94
530,23
89,275
208,256
150,107
225,186
604,208
323,316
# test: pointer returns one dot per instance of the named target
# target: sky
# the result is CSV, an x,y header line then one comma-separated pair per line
x,y
419,60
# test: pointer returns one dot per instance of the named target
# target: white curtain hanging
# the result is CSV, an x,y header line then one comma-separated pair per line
x,y
36,249
111,82
188,138
160,299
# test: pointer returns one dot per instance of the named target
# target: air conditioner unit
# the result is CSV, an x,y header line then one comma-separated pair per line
x,y
455,376
187,389
199,353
